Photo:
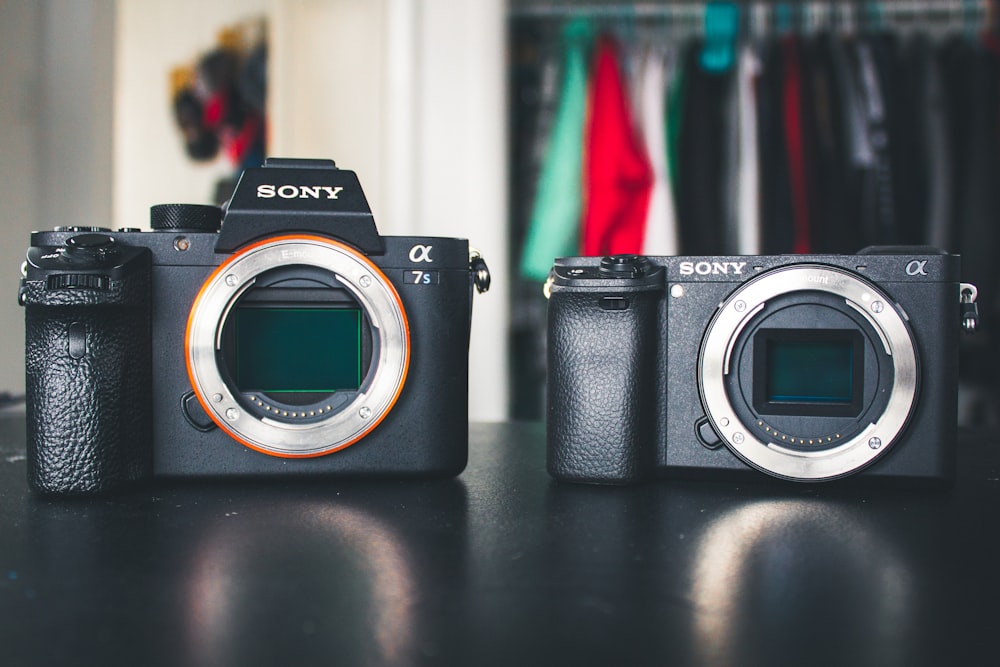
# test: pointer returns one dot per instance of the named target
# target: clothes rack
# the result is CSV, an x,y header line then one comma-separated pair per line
x,y
963,100
905,11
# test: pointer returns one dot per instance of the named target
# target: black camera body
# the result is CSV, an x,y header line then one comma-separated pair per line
x,y
805,367
280,336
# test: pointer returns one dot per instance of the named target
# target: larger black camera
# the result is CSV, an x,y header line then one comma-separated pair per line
x,y
282,335
805,367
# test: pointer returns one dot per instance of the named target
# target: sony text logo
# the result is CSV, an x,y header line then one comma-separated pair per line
x,y
712,268
298,191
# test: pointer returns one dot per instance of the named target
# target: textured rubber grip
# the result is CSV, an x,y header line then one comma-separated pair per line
x,y
602,355
88,367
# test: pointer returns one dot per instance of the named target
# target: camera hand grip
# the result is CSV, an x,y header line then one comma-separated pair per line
x,y
601,386
88,376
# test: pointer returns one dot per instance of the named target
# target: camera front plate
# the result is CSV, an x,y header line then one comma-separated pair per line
x,y
890,331
346,424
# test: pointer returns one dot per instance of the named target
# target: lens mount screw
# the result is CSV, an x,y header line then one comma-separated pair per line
x,y
232,414
875,442
365,281
877,306
365,412
740,306
738,438
232,280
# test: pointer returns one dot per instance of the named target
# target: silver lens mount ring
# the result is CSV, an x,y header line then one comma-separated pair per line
x,y
892,335
378,391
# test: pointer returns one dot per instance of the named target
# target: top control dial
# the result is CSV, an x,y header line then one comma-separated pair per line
x,y
188,217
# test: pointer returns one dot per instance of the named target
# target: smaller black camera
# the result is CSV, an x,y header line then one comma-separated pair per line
x,y
804,367
280,336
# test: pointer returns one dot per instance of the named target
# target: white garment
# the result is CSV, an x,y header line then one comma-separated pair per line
x,y
748,231
661,235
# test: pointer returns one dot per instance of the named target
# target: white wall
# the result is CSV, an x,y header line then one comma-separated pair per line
x,y
55,137
152,37
407,93
20,26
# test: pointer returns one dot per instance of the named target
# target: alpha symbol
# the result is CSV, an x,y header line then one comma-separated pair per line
x,y
421,253
917,268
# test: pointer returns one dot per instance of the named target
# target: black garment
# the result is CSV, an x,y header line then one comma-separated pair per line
x,y
700,173
777,222
972,76
974,90
939,174
876,197
833,224
905,64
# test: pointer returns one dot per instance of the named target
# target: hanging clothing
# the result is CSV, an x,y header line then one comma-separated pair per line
x,y
618,178
853,155
777,229
553,230
747,198
793,114
660,231
938,153
730,177
675,118
977,79
700,190
877,206
829,196
904,62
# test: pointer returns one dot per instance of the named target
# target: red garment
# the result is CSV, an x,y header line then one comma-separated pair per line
x,y
795,144
618,178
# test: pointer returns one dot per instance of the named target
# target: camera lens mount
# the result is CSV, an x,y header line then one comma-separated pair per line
x,y
343,425
879,326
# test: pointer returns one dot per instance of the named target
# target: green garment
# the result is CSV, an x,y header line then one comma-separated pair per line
x,y
675,118
554,228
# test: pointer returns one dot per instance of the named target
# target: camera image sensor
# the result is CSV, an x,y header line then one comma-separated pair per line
x,y
297,350
808,372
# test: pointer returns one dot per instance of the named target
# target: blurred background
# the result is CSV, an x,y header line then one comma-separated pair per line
x,y
867,122
407,93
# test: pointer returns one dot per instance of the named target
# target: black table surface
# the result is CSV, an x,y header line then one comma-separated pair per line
x,y
501,566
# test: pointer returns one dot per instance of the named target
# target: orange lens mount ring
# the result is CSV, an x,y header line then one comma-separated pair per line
x,y
380,389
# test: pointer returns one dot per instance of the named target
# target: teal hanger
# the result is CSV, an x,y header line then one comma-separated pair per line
x,y
722,23
783,18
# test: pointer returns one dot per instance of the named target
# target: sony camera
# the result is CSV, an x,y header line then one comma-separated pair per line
x,y
280,335
804,367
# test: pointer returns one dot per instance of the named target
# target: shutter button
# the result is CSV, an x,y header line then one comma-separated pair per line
x,y
624,266
85,251
90,248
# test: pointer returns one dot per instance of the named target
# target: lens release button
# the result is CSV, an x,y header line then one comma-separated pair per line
x,y
706,434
